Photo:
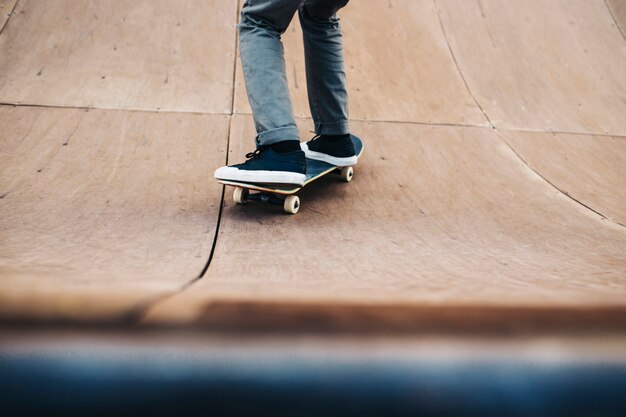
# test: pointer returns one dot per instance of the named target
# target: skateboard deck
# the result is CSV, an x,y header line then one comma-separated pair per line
x,y
283,194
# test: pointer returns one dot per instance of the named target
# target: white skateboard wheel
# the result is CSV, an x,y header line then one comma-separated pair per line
x,y
291,204
347,173
240,195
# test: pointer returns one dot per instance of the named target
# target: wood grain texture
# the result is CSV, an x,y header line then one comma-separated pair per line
x,y
533,65
590,169
443,227
101,210
398,66
6,7
169,55
618,10
435,217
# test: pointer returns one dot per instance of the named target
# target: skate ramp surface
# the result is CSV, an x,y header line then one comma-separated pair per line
x,y
490,195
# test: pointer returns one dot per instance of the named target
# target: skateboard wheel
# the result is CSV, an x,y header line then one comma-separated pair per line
x,y
240,195
291,204
347,173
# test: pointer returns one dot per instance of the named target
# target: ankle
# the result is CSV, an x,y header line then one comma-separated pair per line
x,y
335,138
286,146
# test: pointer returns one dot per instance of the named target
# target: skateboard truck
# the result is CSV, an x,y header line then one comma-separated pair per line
x,y
291,203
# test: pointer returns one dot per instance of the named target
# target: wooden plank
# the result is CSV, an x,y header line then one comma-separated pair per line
x,y
102,210
398,66
590,169
6,7
618,10
437,220
145,54
443,227
532,65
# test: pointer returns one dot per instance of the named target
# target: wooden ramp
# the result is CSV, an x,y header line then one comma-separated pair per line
x,y
490,195
436,216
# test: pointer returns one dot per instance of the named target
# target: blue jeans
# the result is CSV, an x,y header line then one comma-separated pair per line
x,y
262,56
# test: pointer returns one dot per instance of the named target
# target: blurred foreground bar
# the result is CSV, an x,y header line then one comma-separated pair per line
x,y
174,372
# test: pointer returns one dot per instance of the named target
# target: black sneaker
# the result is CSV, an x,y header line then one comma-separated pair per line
x,y
267,166
335,150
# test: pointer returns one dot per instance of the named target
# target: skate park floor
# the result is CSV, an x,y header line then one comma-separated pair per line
x,y
488,211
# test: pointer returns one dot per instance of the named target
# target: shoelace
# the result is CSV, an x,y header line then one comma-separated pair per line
x,y
254,155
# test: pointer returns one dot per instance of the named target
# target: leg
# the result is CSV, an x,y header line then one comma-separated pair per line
x,y
326,83
262,57
326,78
278,158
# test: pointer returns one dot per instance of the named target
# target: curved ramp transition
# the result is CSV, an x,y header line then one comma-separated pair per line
x,y
491,192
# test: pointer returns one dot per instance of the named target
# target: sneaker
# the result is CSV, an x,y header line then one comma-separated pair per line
x,y
267,166
335,150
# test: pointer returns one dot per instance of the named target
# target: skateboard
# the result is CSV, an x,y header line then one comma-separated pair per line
x,y
284,194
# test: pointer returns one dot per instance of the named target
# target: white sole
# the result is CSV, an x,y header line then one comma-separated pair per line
x,y
269,177
318,156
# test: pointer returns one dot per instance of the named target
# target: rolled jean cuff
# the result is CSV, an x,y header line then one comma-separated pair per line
x,y
332,128
277,135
